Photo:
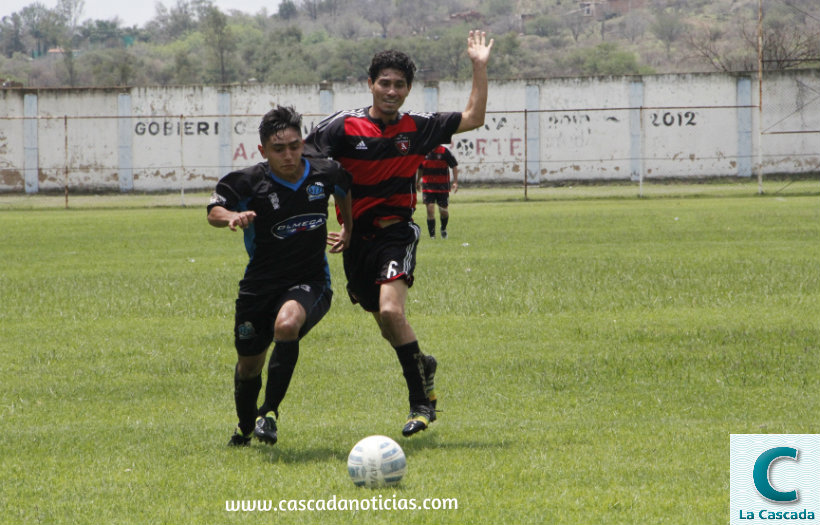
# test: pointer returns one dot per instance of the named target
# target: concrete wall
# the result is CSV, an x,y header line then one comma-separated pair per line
x,y
612,128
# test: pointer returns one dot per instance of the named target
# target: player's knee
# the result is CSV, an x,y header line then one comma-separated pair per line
x,y
287,328
392,321
248,368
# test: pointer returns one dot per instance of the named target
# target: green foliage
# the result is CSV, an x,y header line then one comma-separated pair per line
x,y
544,26
535,39
287,10
601,357
668,27
221,40
606,59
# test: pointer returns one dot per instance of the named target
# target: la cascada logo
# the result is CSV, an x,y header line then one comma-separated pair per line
x,y
774,478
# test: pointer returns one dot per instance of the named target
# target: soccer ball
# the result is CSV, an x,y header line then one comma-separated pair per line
x,y
376,461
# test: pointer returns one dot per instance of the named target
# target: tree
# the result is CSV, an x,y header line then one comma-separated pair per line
x,y
219,39
42,24
633,25
543,26
667,27
170,24
606,59
287,10
111,67
380,12
11,35
102,33
576,23
789,40
69,13
311,7
785,47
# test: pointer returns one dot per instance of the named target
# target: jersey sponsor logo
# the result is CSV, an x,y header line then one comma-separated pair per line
x,y
217,199
274,200
361,146
402,144
316,191
298,224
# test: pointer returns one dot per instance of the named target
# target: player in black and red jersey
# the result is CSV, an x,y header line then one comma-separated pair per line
x,y
382,148
435,185
281,205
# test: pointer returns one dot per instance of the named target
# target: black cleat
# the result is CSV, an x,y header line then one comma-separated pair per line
x,y
419,419
265,429
239,439
429,362
443,234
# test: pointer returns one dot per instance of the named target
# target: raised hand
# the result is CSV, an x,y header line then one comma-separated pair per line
x,y
477,47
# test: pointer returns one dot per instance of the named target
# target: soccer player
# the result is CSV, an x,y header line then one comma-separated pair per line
x,y
382,148
281,204
434,183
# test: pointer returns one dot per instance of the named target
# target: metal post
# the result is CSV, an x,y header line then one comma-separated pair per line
x,y
182,160
526,155
759,97
65,156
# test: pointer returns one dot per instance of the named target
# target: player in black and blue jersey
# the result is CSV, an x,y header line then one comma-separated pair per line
x,y
282,206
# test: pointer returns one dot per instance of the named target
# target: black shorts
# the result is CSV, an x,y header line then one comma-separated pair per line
x,y
442,199
256,314
379,257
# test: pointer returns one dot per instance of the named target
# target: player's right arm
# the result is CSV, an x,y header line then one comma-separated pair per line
x,y
220,217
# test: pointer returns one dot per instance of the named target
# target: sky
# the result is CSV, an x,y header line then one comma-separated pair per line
x,y
136,12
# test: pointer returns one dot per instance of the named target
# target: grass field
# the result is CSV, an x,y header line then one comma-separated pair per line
x,y
595,354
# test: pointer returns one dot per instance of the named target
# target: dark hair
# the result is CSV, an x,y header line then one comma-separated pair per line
x,y
279,119
394,60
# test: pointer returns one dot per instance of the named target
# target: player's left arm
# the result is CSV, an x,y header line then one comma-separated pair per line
x,y
340,240
479,52
454,184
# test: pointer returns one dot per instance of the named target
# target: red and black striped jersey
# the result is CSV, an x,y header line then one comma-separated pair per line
x,y
383,159
435,170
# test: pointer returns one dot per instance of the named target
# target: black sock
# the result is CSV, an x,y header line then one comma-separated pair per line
x,y
280,370
245,393
444,221
431,227
411,364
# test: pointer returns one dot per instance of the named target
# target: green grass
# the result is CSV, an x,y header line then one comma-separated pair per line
x,y
595,354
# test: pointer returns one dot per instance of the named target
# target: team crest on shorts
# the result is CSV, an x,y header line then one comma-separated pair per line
x,y
403,144
246,331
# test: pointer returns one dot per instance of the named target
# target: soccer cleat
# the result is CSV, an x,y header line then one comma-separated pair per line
x,y
443,234
265,429
419,419
429,363
239,439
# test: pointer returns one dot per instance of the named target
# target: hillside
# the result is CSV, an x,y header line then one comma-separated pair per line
x,y
307,41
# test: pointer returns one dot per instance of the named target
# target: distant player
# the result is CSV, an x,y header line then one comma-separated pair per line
x,y
435,185
383,148
281,204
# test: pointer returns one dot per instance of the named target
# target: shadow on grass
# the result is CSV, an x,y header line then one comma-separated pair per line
x,y
429,441
297,454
